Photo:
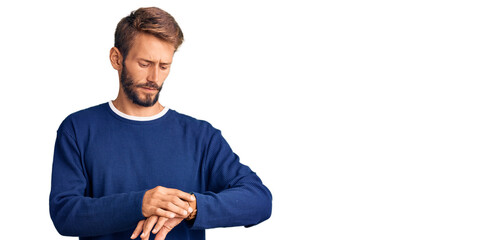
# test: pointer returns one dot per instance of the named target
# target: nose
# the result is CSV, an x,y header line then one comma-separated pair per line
x,y
153,75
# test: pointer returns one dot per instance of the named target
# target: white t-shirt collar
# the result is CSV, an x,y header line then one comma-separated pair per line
x,y
135,118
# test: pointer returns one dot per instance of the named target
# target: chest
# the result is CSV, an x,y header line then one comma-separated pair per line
x,y
136,159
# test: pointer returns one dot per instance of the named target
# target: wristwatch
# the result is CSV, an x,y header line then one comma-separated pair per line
x,y
193,214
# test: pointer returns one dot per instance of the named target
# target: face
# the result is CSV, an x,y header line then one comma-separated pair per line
x,y
145,69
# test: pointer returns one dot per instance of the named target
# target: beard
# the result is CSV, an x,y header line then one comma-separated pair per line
x,y
129,88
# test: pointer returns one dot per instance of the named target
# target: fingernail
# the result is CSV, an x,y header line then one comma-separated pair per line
x,y
184,212
192,198
132,236
172,215
142,235
155,230
190,210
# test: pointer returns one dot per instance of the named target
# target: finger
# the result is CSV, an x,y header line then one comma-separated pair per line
x,y
138,229
163,200
181,208
149,224
181,194
161,235
186,196
172,223
163,213
168,226
162,191
160,223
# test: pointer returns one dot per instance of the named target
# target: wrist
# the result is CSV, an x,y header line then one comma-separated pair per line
x,y
193,205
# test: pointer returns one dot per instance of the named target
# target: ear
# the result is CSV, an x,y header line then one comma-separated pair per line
x,y
116,58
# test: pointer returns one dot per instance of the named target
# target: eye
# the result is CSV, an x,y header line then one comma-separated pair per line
x,y
143,65
164,67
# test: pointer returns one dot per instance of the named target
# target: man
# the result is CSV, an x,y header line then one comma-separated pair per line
x,y
131,165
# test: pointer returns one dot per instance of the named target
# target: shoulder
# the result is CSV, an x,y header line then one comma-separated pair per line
x,y
193,124
83,117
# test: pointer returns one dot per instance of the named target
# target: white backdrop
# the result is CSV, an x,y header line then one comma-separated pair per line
x,y
366,119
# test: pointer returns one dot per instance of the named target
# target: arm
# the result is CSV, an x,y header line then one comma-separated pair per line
x,y
75,214
235,195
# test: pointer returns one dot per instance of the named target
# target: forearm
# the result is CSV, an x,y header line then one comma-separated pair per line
x,y
234,195
245,204
85,216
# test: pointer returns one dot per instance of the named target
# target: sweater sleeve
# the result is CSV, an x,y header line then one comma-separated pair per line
x,y
75,214
235,195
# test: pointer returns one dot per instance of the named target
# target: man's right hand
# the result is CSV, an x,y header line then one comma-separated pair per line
x,y
166,202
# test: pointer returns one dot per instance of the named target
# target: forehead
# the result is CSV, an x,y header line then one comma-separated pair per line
x,y
147,46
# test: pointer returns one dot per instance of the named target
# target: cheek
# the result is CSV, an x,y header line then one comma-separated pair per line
x,y
138,75
135,72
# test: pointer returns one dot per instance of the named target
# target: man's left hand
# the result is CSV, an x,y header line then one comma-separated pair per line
x,y
162,228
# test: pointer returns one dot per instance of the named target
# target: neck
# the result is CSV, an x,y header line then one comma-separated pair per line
x,y
125,105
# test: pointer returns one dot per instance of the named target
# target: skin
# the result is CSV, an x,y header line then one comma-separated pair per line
x,y
162,225
149,60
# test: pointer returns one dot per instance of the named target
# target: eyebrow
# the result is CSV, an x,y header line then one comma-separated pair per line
x,y
149,61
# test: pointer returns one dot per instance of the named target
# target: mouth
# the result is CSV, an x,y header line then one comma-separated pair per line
x,y
149,89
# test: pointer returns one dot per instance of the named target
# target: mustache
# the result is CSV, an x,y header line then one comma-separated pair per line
x,y
150,85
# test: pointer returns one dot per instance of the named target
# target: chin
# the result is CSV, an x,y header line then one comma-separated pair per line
x,y
146,100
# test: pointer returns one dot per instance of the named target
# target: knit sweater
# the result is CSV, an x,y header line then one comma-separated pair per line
x,y
105,161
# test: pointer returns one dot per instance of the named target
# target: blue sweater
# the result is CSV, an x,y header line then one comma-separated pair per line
x,y
104,163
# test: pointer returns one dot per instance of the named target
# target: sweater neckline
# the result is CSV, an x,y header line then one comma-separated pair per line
x,y
136,118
